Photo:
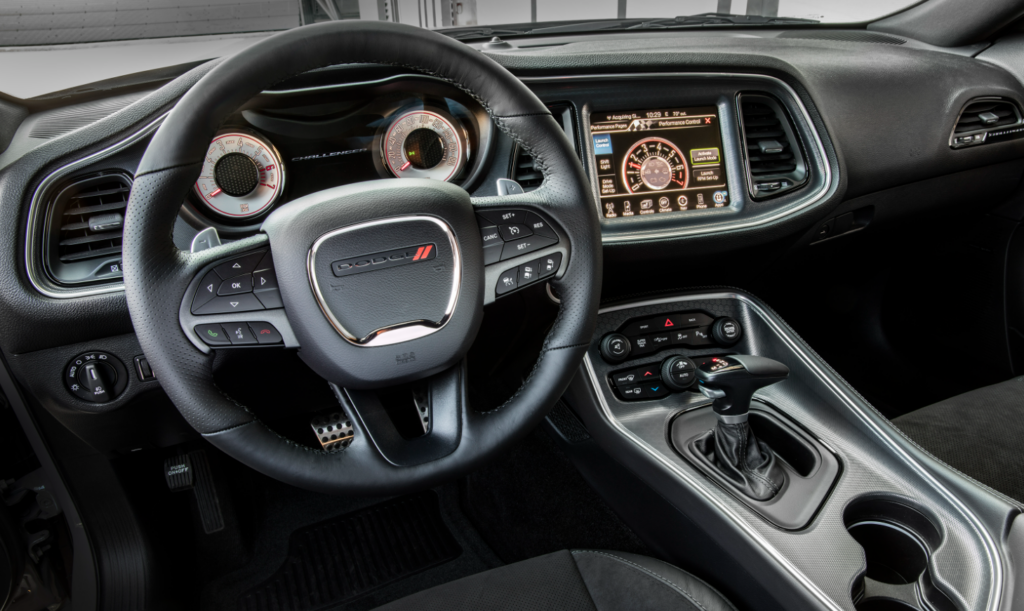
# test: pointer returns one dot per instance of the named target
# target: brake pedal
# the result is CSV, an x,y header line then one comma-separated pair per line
x,y
192,472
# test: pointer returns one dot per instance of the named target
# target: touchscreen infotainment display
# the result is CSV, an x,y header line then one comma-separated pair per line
x,y
659,161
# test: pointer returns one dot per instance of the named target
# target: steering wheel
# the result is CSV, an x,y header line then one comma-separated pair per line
x,y
380,327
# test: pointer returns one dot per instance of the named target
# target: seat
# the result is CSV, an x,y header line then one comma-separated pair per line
x,y
978,433
578,580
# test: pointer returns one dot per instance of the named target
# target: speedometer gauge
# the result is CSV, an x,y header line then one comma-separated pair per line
x,y
654,164
242,175
423,144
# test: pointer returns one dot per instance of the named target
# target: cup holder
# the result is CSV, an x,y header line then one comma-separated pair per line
x,y
894,554
897,540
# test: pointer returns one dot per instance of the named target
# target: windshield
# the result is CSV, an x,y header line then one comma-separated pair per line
x,y
83,21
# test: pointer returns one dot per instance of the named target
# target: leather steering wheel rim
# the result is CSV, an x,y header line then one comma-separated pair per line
x,y
157,273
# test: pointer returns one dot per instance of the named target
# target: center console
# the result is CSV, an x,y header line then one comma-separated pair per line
x,y
856,516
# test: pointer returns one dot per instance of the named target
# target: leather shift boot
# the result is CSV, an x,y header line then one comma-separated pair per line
x,y
743,459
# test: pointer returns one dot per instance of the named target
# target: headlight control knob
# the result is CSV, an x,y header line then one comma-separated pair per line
x,y
96,377
615,347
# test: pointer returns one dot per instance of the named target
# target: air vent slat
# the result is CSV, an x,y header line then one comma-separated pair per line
x,y
86,210
78,247
524,172
774,161
979,118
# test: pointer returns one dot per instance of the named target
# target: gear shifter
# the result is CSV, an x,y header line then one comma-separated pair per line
x,y
732,447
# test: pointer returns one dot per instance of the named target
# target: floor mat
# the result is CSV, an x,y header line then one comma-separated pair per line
x,y
341,559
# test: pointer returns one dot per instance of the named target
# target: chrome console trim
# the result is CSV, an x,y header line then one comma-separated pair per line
x,y
995,559
37,208
731,225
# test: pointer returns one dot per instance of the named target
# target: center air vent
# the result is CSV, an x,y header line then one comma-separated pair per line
x,y
84,229
523,170
984,120
774,161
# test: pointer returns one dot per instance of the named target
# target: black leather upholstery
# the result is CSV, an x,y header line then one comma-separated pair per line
x,y
157,273
581,580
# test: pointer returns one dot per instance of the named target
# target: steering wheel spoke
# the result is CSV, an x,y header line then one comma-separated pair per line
x,y
438,404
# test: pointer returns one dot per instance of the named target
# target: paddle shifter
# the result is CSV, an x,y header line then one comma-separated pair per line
x,y
732,447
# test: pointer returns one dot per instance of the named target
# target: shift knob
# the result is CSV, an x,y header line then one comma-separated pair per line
x,y
732,380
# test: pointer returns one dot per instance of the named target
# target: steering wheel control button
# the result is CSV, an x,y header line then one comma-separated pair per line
x,y
245,302
549,265
239,334
514,232
539,226
528,273
265,333
240,265
96,377
507,282
236,285
207,290
615,347
264,280
525,246
212,335
504,217
726,331
489,235
271,298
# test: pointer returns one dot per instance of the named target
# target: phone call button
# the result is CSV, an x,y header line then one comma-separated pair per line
x,y
265,333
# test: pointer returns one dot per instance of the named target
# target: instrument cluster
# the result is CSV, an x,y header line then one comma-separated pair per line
x,y
289,143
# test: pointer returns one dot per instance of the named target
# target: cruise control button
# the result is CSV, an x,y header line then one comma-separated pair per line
x,y
492,253
508,281
528,273
240,265
525,246
503,217
270,298
514,232
239,333
207,290
265,333
489,235
236,285
212,335
549,265
539,226
245,302
264,279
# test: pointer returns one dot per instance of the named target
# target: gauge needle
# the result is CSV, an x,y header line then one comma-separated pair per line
x,y
633,165
405,166
215,193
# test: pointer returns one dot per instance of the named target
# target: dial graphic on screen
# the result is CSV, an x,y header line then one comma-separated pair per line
x,y
423,144
241,177
654,164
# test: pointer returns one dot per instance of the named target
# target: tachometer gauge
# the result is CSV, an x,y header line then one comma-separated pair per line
x,y
242,175
654,164
423,144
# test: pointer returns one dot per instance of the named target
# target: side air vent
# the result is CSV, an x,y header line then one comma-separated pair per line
x,y
774,161
84,229
986,120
